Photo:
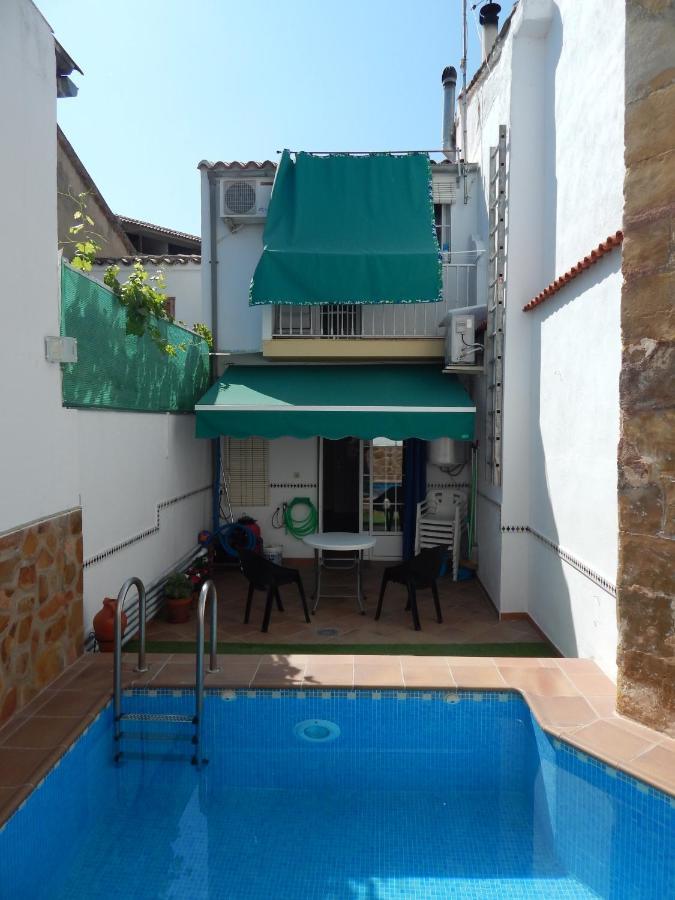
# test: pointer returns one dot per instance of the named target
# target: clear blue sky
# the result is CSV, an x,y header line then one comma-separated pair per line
x,y
168,83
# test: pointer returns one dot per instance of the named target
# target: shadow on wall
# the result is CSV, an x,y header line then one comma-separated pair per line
x,y
551,604
119,371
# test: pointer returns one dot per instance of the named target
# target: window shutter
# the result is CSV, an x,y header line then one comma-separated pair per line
x,y
246,462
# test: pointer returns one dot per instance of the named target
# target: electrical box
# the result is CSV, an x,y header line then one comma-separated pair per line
x,y
61,349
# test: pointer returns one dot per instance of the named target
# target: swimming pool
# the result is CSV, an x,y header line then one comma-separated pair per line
x,y
337,794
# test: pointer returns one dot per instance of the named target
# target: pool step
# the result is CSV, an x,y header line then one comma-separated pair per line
x,y
157,717
169,736
155,736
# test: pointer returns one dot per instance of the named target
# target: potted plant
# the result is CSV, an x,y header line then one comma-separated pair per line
x,y
178,594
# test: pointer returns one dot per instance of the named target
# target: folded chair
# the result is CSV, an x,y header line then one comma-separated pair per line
x,y
264,575
420,572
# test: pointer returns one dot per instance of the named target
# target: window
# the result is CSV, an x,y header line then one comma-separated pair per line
x,y
292,320
442,225
382,490
246,464
341,320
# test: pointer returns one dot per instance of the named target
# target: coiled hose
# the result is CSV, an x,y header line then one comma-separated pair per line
x,y
303,525
234,537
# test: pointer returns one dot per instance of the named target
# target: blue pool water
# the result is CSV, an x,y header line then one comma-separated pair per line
x,y
419,795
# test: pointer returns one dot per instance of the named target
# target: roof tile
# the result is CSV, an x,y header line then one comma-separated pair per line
x,y
612,241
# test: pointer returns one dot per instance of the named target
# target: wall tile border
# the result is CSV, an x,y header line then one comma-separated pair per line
x,y
565,555
122,545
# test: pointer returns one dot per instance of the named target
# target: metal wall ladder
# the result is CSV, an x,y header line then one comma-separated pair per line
x,y
494,338
122,719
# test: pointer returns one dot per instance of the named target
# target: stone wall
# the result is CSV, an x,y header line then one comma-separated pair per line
x,y
646,579
40,606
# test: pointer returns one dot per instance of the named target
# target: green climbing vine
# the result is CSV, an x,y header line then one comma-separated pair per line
x,y
142,295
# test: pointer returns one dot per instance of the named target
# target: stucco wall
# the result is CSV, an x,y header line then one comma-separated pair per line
x,y
132,470
38,473
112,470
239,325
556,82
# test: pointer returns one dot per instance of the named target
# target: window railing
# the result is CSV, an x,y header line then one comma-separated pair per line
x,y
379,320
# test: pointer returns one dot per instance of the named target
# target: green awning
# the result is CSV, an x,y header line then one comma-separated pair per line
x,y
303,401
349,229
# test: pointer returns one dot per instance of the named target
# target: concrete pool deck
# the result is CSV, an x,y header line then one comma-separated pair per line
x,y
570,698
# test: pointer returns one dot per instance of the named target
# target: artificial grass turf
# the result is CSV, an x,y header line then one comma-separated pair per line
x,y
534,648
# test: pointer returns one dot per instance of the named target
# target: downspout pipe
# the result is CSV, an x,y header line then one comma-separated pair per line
x,y
213,263
213,272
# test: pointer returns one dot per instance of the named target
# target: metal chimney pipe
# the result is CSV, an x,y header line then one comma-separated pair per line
x,y
489,19
449,79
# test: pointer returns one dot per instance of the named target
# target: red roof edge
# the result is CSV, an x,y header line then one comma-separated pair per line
x,y
611,242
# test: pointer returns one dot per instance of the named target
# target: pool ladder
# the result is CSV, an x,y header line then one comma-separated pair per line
x,y
121,718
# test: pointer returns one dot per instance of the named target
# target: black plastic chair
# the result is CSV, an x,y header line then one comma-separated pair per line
x,y
264,575
420,572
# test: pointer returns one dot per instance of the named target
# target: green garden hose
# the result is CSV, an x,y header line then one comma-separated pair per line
x,y
305,525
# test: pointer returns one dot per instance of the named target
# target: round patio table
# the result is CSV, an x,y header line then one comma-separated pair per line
x,y
343,542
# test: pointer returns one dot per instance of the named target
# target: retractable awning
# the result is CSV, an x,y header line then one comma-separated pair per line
x,y
302,401
349,229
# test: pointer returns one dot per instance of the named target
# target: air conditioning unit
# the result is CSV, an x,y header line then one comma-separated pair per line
x,y
463,352
244,199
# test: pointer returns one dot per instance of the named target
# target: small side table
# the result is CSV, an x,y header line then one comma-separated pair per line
x,y
343,542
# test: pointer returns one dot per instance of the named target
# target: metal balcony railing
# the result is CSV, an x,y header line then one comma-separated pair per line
x,y
379,320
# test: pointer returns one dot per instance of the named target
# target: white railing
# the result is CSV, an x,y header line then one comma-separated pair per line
x,y
379,320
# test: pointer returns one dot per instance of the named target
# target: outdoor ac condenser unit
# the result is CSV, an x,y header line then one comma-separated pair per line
x,y
462,350
245,199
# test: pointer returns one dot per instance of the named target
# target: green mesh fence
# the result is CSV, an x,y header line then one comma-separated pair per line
x,y
116,371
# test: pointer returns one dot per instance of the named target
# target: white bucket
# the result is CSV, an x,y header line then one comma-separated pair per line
x,y
274,553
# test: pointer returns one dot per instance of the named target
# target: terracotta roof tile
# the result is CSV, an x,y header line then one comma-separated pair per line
x,y
251,164
613,240
166,259
125,220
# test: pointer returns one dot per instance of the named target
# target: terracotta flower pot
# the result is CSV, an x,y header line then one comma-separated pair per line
x,y
178,609
104,625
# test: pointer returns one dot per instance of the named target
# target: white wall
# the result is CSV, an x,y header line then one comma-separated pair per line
x,y
558,86
38,473
117,466
295,462
129,464
242,328
184,282
238,252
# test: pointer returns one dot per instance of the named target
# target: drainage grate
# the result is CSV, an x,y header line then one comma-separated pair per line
x,y
317,731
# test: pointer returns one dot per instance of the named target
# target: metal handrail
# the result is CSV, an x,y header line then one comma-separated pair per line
x,y
208,590
117,665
